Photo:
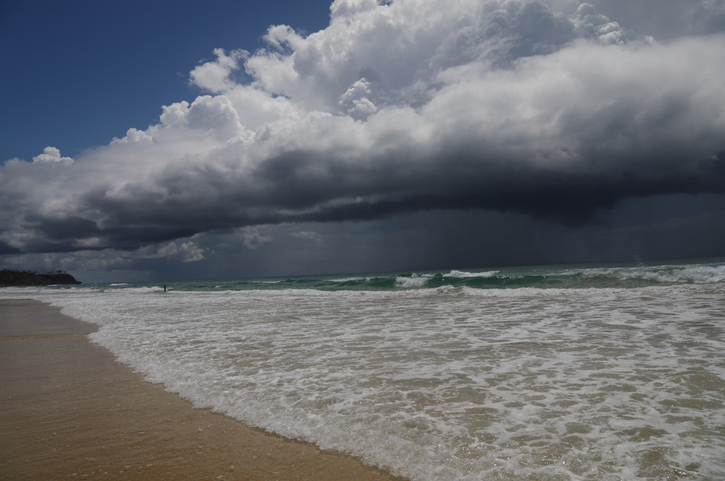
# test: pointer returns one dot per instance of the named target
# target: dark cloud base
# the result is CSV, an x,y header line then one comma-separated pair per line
x,y
560,197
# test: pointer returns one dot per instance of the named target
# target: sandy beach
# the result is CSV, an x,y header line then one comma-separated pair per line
x,y
68,410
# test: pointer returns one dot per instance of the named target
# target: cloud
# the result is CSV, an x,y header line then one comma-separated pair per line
x,y
308,235
252,238
557,112
134,136
214,76
87,259
52,155
186,251
662,19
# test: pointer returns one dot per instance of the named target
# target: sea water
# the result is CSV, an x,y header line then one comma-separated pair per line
x,y
544,373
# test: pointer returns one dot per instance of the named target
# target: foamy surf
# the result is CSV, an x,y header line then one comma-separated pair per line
x,y
453,382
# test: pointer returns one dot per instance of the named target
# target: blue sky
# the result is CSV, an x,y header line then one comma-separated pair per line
x,y
185,139
79,73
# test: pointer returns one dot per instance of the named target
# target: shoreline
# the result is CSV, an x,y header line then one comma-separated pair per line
x,y
69,410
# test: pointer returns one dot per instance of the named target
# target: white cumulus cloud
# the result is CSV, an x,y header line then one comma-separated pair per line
x,y
52,155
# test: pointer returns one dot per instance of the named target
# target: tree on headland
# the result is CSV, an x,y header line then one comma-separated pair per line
x,y
12,278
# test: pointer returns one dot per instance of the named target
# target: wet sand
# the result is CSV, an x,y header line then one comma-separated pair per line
x,y
69,411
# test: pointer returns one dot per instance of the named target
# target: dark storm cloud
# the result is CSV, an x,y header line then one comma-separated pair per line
x,y
7,250
402,107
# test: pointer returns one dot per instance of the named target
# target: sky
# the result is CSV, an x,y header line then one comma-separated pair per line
x,y
181,140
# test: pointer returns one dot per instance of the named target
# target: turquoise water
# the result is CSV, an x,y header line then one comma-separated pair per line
x,y
569,276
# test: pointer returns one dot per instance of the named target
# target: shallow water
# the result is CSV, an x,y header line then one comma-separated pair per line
x,y
451,382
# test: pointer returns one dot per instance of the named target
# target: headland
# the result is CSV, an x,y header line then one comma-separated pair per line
x,y
11,278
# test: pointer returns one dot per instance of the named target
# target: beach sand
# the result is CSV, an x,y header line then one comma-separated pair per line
x,y
68,410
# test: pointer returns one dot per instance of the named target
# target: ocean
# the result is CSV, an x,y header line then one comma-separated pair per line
x,y
612,372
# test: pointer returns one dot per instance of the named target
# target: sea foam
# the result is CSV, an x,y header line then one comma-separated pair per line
x,y
447,383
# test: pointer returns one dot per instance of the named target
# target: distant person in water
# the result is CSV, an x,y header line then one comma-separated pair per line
x,y
164,287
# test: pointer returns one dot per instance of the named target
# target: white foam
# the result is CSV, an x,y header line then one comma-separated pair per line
x,y
695,273
448,383
415,280
144,290
466,275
